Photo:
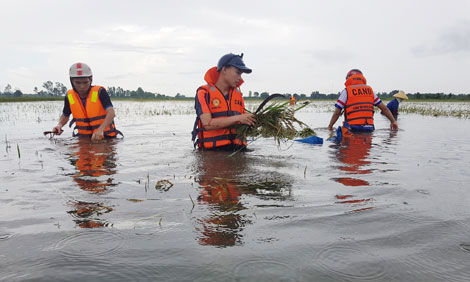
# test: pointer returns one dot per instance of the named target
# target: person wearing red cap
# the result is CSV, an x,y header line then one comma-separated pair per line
x,y
219,106
357,101
90,106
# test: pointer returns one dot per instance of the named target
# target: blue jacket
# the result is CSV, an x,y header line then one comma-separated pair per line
x,y
393,107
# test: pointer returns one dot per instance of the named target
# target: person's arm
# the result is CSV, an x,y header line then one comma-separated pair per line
x,y
99,133
334,118
339,106
388,114
64,118
62,121
210,123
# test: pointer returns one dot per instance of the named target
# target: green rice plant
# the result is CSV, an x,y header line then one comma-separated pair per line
x,y
458,110
192,201
278,121
305,132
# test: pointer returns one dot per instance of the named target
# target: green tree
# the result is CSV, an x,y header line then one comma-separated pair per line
x,y
49,86
7,90
59,89
140,92
264,95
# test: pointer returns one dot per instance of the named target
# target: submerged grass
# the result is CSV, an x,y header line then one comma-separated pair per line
x,y
428,109
278,121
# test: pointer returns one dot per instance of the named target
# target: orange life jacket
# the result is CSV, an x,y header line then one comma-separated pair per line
x,y
359,109
219,107
292,100
89,118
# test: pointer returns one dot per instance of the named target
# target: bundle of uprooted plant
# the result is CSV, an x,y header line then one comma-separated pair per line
x,y
278,121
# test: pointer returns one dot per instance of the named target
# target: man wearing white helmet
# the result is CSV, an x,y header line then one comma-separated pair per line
x,y
90,106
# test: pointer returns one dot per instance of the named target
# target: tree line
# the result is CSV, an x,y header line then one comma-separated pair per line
x,y
316,95
57,89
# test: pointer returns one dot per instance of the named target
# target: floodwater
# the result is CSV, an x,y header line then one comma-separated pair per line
x,y
388,206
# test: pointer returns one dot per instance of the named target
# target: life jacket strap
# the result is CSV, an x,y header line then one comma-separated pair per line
x,y
361,103
366,118
225,114
230,137
351,112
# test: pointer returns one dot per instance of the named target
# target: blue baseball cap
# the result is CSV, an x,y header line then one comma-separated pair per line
x,y
233,60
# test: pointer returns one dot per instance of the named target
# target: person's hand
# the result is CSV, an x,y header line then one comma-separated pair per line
x,y
247,118
57,130
97,135
330,127
394,125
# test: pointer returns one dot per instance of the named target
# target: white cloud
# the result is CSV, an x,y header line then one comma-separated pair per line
x,y
455,40
298,46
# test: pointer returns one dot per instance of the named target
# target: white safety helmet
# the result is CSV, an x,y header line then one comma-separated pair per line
x,y
80,70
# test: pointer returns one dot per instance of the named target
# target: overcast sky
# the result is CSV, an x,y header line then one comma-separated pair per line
x,y
292,46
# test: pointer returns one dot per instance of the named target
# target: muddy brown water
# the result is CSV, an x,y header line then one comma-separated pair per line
x,y
388,206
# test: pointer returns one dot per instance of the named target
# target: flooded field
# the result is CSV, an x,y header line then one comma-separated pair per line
x,y
389,206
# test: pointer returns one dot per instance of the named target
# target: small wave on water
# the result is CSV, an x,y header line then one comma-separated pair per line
x,y
57,268
351,262
91,243
5,236
264,270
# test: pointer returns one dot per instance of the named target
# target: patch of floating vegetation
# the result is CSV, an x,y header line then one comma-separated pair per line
x,y
437,109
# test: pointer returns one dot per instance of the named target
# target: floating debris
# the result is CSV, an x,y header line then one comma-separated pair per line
x,y
306,132
135,200
163,185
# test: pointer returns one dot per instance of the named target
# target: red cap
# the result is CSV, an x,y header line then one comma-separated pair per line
x,y
353,72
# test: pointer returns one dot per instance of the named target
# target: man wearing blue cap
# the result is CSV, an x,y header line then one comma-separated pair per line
x,y
219,106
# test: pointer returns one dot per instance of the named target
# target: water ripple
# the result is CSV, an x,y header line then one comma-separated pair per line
x,y
5,236
264,270
72,269
449,269
351,262
91,243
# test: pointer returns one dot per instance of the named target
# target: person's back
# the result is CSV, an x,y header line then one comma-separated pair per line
x,y
358,101
359,104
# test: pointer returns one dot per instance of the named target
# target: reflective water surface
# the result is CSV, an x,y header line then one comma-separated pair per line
x,y
386,206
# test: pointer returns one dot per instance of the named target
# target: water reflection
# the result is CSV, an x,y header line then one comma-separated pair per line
x,y
353,153
95,164
224,183
220,190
